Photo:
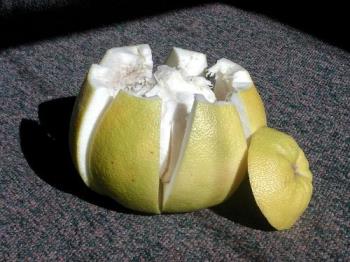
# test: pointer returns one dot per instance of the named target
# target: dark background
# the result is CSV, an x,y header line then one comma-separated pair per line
x,y
23,21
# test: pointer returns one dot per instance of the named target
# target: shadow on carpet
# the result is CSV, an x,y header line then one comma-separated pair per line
x,y
242,209
46,149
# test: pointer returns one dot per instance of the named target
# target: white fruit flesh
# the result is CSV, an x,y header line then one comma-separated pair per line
x,y
178,85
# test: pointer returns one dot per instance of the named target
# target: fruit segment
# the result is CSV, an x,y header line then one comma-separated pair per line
x,y
280,177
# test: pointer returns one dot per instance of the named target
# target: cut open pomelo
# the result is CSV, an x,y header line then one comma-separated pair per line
x,y
164,141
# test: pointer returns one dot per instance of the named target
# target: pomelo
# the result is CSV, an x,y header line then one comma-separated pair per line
x,y
164,141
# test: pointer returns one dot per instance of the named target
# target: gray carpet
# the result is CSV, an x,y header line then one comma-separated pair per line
x,y
48,214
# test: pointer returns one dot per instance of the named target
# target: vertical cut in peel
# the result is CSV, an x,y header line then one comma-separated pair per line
x,y
177,91
177,135
234,84
215,137
160,141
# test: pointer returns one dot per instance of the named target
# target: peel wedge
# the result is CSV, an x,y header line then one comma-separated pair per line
x,y
124,162
219,163
280,177
234,84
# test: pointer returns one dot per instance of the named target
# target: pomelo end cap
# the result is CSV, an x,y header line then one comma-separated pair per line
x,y
279,176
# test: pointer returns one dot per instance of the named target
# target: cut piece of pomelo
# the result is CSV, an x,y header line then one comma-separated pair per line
x,y
164,141
280,177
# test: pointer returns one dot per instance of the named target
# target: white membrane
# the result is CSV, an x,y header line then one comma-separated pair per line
x,y
230,79
130,69
190,62
167,189
99,100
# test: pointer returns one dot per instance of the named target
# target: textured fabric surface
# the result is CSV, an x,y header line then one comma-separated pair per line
x,y
16,8
9,8
47,213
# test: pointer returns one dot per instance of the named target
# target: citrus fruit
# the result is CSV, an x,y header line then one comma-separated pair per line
x,y
279,176
164,141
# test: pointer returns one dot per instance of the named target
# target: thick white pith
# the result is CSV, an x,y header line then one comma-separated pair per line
x,y
178,84
230,79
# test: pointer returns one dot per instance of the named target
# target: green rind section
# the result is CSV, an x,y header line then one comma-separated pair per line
x,y
254,108
124,154
214,162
